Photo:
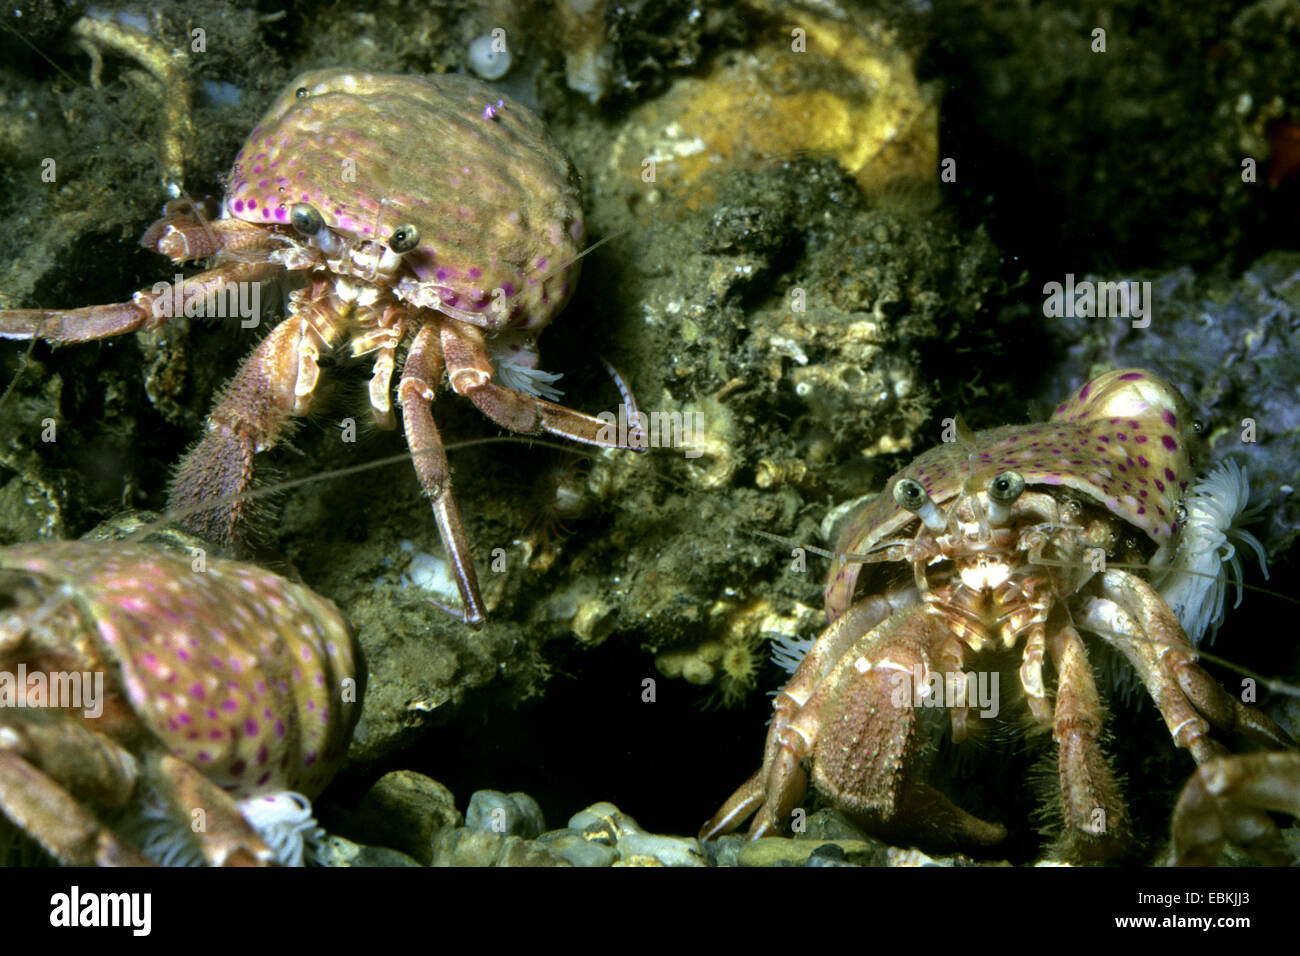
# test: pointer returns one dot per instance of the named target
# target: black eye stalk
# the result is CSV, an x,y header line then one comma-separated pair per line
x,y
910,496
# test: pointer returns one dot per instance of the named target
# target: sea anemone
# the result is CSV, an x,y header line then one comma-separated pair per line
x,y
284,820
1206,554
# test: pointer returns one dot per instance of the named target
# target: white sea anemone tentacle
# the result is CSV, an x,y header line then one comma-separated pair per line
x,y
285,822
789,651
514,365
1207,556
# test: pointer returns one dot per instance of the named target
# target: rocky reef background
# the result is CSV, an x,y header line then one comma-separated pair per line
x,y
776,253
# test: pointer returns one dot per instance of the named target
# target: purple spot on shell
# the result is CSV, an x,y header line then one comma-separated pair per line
x,y
279,728
1143,462
237,205
1168,442
1105,438
266,213
184,717
441,275
281,214
262,754
229,705
252,204
215,734
261,781
1160,485
211,713
203,756
196,690
1170,418
310,759
1169,474
263,183
251,727
1142,511
474,272
1121,436
1083,393
1132,377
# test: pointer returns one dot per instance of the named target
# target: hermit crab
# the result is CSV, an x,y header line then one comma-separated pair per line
x,y
162,708
1003,548
432,216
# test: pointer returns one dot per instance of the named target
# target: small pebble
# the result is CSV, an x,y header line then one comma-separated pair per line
x,y
516,814
670,851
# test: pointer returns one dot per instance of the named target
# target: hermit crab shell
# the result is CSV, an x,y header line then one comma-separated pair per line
x,y
231,668
495,200
1122,439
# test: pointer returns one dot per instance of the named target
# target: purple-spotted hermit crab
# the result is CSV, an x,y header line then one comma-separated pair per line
x,y
153,709
426,214
1002,548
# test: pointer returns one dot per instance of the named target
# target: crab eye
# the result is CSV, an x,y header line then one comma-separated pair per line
x,y
1198,426
1006,487
910,495
306,219
404,239
301,92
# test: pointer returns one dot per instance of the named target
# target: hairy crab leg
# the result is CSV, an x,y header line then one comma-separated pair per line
x,y
274,384
1090,796
421,375
470,372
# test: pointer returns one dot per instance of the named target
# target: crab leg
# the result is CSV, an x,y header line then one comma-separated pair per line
x,y
275,382
1090,796
184,233
1225,800
470,374
421,375
1155,643
228,838
36,800
146,310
